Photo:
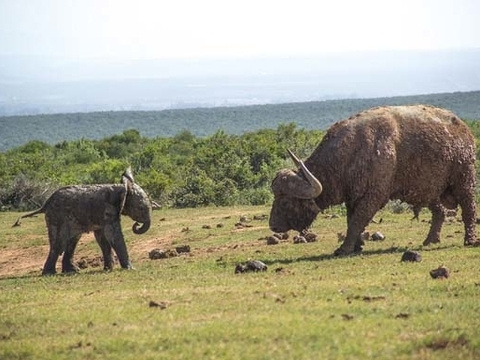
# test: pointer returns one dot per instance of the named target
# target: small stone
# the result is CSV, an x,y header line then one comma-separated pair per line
x,y
156,254
256,265
250,266
183,249
299,239
240,269
162,304
272,240
378,236
281,236
364,236
310,237
412,256
441,272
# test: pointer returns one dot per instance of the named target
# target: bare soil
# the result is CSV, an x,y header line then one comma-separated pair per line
x,y
28,260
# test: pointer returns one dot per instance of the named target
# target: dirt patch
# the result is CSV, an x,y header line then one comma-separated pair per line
x,y
14,262
443,343
176,231
30,260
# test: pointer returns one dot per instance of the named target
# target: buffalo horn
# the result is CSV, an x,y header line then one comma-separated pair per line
x,y
316,186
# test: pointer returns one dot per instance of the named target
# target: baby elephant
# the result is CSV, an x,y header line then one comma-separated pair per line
x,y
73,210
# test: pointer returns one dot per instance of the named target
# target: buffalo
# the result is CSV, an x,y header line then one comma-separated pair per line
x,y
419,154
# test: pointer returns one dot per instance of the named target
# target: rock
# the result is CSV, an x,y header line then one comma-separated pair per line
x,y
299,239
240,269
378,236
281,236
260,217
183,249
441,272
412,256
251,266
364,236
162,304
256,265
86,262
241,225
272,240
156,254
310,237
244,219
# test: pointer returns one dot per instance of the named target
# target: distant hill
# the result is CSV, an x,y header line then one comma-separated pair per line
x,y
18,130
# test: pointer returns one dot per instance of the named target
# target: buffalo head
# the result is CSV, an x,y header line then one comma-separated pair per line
x,y
294,205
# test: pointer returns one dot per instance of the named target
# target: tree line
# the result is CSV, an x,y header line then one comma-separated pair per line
x,y
180,171
316,115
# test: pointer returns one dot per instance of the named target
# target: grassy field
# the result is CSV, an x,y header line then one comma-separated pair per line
x,y
307,305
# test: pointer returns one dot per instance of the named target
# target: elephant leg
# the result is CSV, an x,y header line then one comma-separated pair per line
x,y
49,266
56,248
121,250
67,261
106,248
113,234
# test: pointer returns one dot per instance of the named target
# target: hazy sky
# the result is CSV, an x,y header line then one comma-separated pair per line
x,y
138,29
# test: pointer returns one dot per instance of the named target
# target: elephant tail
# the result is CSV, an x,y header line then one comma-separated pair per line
x,y
30,214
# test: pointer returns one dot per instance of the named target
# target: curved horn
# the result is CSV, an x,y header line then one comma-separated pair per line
x,y
315,185
137,229
295,160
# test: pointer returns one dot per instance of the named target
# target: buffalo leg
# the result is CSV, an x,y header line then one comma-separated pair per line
x,y
358,218
106,248
468,217
67,261
464,192
438,217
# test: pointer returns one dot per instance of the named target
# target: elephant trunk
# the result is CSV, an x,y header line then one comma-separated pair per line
x,y
137,229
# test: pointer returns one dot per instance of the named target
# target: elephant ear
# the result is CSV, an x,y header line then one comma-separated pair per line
x,y
127,181
127,177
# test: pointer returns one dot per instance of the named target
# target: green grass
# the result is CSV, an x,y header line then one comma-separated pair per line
x,y
308,305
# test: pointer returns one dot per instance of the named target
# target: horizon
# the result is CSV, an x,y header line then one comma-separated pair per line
x,y
166,84
65,55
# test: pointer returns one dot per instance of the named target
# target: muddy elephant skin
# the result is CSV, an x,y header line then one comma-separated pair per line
x,y
73,210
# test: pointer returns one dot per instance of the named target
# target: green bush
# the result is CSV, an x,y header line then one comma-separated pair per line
x,y
180,171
